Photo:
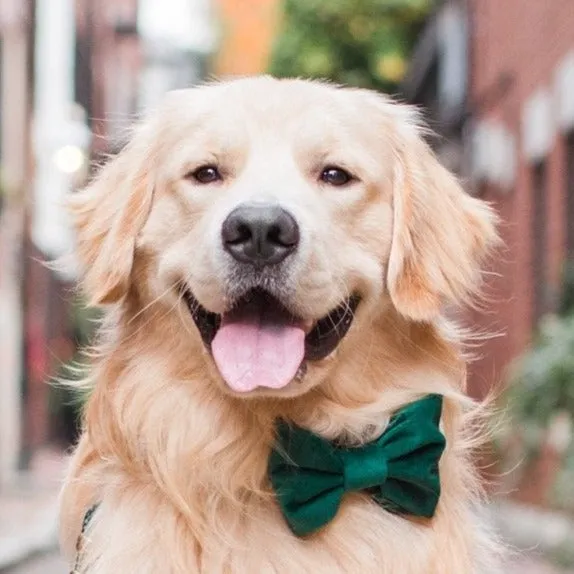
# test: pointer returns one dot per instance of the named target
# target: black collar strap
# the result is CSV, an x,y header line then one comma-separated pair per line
x,y
80,541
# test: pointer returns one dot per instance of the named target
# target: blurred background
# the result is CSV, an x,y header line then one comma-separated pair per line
x,y
496,81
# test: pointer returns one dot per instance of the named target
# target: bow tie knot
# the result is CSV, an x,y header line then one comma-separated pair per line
x,y
359,471
310,475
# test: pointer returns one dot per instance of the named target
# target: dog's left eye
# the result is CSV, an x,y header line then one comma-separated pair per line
x,y
335,176
205,174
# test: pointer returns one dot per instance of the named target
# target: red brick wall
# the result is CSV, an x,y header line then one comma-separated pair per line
x,y
48,346
48,326
115,59
524,40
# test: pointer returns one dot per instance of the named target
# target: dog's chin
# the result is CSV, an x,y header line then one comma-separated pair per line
x,y
259,347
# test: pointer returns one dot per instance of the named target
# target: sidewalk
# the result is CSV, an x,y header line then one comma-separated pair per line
x,y
533,566
536,534
29,510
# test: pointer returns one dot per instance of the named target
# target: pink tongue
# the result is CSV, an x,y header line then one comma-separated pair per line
x,y
257,348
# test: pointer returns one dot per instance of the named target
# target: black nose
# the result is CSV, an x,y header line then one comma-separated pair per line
x,y
260,234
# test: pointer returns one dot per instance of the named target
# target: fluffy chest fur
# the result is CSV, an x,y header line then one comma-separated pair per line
x,y
142,533
183,486
141,527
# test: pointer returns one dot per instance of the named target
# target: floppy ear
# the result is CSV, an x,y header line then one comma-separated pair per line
x,y
440,234
108,216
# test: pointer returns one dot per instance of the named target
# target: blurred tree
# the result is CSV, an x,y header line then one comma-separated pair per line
x,y
364,43
541,393
66,402
567,299
544,376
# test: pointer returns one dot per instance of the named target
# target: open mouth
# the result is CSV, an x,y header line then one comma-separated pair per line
x,y
260,343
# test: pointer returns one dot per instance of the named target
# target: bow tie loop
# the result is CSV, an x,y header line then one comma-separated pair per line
x,y
310,475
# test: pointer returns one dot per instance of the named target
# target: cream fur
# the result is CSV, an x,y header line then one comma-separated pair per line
x,y
177,462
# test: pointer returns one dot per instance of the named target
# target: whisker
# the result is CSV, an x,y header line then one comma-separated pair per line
x,y
156,300
161,316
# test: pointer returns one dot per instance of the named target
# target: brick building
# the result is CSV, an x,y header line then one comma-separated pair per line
x,y
510,135
532,68
102,90
15,102
68,69
108,60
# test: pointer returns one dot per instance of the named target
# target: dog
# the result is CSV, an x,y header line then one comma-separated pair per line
x,y
272,250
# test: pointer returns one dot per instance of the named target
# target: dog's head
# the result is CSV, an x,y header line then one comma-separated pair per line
x,y
280,216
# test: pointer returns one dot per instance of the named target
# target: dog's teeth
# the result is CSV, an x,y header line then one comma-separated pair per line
x,y
308,326
300,373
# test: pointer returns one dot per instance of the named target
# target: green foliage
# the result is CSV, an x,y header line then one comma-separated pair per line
x,y
544,379
83,322
542,392
562,494
363,43
567,299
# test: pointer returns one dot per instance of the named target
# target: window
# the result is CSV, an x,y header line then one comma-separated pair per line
x,y
453,68
538,238
569,210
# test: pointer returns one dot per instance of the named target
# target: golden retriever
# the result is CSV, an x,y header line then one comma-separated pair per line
x,y
305,205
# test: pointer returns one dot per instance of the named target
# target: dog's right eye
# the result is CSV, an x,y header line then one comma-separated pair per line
x,y
336,176
205,174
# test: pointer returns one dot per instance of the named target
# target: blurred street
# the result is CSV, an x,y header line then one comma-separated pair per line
x,y
53,564
534,565
44,564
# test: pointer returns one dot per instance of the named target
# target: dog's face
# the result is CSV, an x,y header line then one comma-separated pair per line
x,y
273,220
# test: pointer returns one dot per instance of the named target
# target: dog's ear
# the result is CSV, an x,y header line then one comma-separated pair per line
x,y
108,216
440,233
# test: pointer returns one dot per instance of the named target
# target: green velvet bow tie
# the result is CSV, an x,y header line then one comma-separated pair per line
x,y
310,474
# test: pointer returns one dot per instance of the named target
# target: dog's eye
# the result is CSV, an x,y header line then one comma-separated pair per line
x,y
335,176
206,174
